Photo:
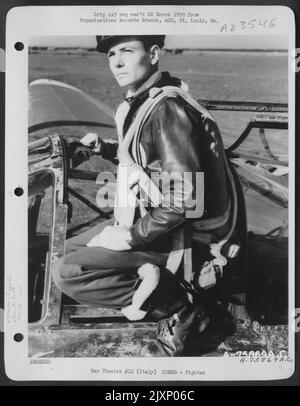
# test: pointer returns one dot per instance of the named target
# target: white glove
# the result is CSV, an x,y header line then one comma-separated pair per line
x,y
113,238
91,140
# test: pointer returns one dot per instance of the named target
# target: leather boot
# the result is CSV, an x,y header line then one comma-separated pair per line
x,y
172,333
168,298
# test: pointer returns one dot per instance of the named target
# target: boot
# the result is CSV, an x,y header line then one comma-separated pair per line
x,y
173,331
168,298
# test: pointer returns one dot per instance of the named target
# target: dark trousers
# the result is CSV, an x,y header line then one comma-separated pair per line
x,y
101,277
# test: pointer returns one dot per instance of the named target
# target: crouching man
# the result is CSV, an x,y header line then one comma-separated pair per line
x,y
158,133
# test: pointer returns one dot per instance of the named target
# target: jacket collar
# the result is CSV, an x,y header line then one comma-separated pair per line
x,y
158,79
150,82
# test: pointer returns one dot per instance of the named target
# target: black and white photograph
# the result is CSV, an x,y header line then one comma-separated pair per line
x,y
157,214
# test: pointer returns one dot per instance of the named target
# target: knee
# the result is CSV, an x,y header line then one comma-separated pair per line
x,y
73,245
62,273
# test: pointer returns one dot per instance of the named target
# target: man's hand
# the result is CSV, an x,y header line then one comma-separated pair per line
x,y
78,153
113,238
92,141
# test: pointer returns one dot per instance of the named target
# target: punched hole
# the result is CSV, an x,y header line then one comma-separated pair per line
x,y
19,46
18,337
19,191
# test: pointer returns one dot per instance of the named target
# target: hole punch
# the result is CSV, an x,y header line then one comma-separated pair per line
x,y
18,337
19,46
18,191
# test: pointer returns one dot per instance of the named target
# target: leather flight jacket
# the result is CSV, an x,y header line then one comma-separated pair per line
x,y
176,138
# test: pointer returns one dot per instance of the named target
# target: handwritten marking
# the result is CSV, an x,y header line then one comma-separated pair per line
x,y
295,60
249,25
295,320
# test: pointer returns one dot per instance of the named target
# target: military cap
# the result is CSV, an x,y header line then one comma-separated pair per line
x,y
104,41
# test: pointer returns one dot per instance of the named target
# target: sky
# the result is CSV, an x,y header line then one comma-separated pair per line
x,y
176,41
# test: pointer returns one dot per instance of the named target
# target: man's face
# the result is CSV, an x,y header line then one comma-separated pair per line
x,y
130,63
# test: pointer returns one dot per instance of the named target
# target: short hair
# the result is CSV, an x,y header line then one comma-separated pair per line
x,y
105,41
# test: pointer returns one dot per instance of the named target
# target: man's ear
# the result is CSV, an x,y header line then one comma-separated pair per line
x,y
154,54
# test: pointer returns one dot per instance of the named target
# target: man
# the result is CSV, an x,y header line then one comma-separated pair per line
x,y
173,139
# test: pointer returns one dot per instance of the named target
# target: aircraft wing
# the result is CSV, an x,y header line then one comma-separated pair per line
x,y
53,103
